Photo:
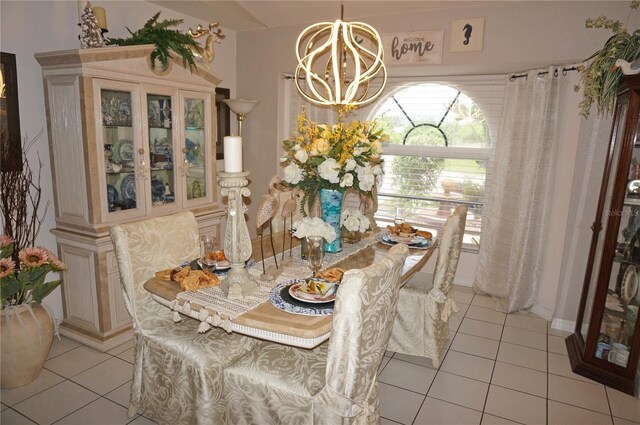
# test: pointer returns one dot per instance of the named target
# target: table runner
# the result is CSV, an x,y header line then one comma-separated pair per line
x,y
217,310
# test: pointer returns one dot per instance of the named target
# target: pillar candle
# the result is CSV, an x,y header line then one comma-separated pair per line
x,y
101,16
232,154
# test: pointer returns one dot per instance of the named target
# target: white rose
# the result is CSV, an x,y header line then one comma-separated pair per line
x,y
358,150
364,224
366,178
284,158
350,164
347,180
376,170
329,170
292,173
352,223
302,156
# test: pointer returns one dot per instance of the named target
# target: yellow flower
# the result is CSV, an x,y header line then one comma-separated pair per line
x,y
322,146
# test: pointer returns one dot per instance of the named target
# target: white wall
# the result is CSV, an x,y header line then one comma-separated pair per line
x,y
518,36
28,27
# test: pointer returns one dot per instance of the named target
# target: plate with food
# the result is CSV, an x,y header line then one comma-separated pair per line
x,y
313,290
421,243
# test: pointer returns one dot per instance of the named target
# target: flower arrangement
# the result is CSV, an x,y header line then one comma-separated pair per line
x,y
600,79
337,157
354,221
314,226
25,282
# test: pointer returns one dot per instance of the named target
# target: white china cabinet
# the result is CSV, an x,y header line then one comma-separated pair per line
x,y
126,143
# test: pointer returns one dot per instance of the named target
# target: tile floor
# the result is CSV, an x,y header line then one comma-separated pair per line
x,y
499,369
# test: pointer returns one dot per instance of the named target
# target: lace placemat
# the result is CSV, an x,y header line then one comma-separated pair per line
x,y
215,303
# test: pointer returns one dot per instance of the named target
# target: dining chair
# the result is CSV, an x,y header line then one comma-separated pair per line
x,y
335,383
177,375
421,326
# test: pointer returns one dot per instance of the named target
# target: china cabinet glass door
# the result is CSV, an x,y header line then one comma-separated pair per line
x,y
196,152
123,191
162,158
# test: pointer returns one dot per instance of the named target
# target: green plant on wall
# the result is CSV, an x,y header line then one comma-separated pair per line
x,y
600,79
165,39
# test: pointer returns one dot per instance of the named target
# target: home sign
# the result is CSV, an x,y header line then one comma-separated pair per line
x,y
410,48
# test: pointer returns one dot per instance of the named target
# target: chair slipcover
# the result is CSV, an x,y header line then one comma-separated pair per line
x,y
177,375
335,383
421,327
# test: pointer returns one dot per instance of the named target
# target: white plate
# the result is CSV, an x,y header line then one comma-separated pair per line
x,y
629,284
298,292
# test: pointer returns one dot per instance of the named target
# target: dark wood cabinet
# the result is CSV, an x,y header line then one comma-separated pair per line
x,y
606,342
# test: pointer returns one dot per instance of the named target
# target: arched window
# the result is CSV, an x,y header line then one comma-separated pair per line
x,y
439,154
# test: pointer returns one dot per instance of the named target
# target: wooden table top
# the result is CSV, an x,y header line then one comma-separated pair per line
x,y
266,317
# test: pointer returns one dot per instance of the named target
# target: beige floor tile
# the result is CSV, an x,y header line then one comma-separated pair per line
x,y
560,365
578,393
463,288
121,394
557,345
56,402
459,390
486,314
388,353
99,412
384,362
75,361
438,412
61,345
557,332
3,406
623,405
141,420
524,337
520,378
479,328
121,348
408,376
516,406
529,322
454,323
127,356
422,361
483,301
397,404
46,380
523,356
469,366
385,421
475,345
461,296
564,414
106,376
462,309
11,417
488,419
620,421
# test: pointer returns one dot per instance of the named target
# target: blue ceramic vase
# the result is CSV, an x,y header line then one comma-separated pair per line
x,y
331,205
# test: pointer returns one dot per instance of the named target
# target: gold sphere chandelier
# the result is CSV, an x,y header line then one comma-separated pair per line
x,y
337,61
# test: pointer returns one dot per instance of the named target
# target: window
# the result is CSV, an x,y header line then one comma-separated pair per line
x,y
439,153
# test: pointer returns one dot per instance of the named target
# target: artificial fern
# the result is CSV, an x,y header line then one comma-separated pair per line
x,y
158,33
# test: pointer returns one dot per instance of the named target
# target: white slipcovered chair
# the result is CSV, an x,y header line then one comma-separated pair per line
x,y
421,327
177,375
335,383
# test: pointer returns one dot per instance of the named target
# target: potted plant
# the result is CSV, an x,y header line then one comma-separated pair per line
x,y
26,328
600,79
165,39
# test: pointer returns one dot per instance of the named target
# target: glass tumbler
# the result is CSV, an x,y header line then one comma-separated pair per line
x,y
207,246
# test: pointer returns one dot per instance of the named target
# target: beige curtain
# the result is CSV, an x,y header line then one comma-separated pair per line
x,y
515,227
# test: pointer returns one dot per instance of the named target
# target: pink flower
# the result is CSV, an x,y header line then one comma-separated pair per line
x,y
33,256
5,241
7,266
57,264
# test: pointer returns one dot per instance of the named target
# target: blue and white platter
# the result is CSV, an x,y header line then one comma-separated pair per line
x,y
282,300
417,242
128,187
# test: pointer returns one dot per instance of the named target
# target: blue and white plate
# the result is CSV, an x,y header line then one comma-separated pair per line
x,y
128,187
157,188
420,243
282,300
124,149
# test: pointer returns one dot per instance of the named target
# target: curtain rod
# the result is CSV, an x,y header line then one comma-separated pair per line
x,y
555,73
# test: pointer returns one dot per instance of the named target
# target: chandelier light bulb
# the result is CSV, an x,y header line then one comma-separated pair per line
x,y
336,64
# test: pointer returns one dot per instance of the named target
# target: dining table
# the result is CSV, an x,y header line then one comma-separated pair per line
x,y
264,320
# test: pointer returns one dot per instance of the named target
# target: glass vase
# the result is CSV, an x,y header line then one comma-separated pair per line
x,y
351,236
331,206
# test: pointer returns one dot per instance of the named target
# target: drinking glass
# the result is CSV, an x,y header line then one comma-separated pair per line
x,y
207,246
400,216
315,254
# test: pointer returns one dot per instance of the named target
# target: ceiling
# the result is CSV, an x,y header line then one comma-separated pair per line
x,y
251,15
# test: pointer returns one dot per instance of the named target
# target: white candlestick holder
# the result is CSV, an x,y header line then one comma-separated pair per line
x,y
237,243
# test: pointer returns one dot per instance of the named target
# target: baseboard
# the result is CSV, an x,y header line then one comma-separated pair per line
x,y
545,313
464,282
563,325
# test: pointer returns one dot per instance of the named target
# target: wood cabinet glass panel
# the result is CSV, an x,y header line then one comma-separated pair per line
x,y
161,149
195,148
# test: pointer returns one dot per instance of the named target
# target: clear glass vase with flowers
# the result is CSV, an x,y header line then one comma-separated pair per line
x,y
311,227
354,224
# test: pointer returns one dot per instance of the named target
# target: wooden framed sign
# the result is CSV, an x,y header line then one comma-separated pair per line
x,y
412,48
